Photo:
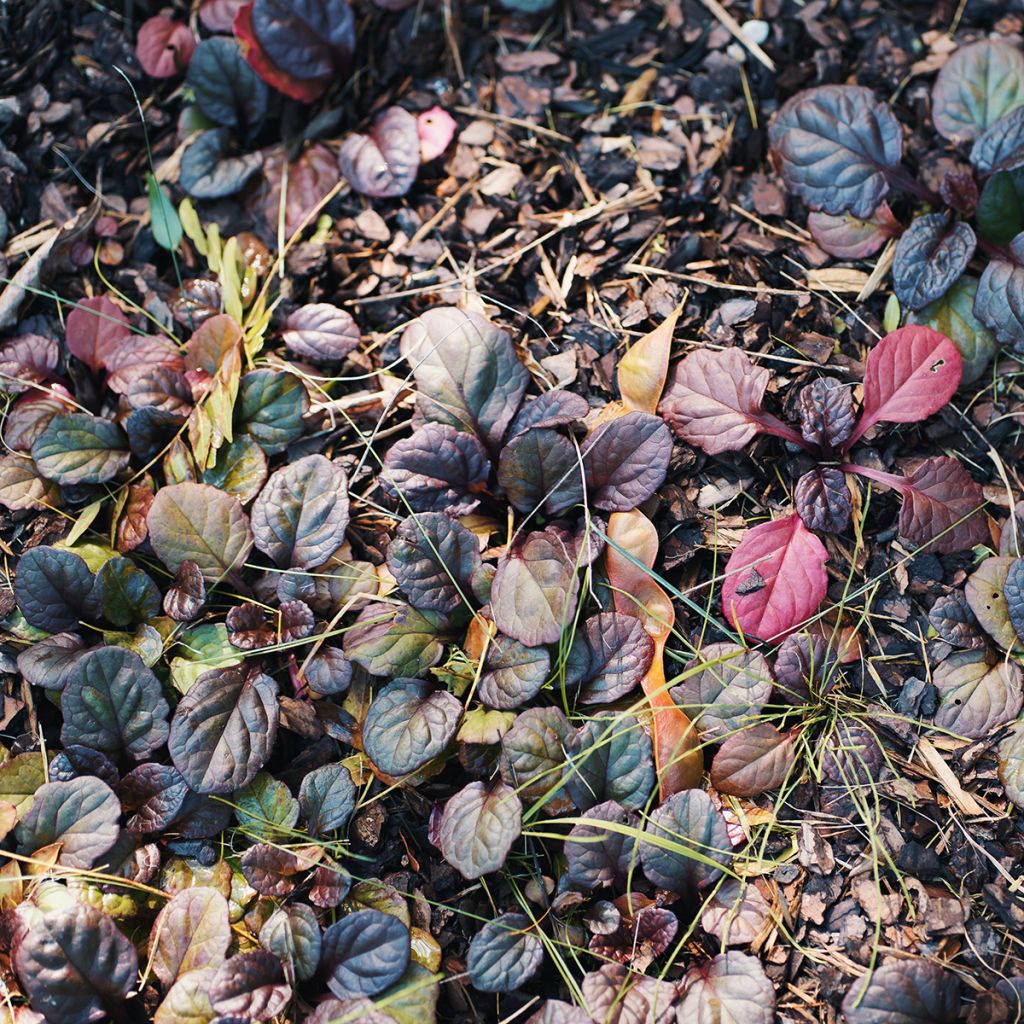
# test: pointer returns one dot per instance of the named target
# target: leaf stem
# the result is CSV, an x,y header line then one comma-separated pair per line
x,y
899,178
898,483
770,424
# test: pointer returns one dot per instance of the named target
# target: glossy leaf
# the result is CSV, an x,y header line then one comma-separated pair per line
x,y
505,954
310,39
266,807
433,558
186,597
976,696
384,163
48,662
240,469
198,523
533,757
112,702
775,579
930,256
725,689
834,145
823,500
80,449
539,470
210,171
364,953
81,815
942,507
753,760
851,238
467,371
731,987
53,588
550,409
250,986
409,724
327,798
23,487
696,843
534,592
320,332
126,594
300,517
226,88
224,729
713,399
977,86
619,653
736,913
292,934
395,640
904,992
270,408
1000,212
626,460
1013,595
616,994
190,933
513,673
153,797
437,469
75,965
999,302
478,827
597,856
1001,146
610,758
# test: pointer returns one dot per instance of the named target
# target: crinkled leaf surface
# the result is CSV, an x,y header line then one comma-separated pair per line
x,y
224,729
942,507
610,758
408,724
513,673
395,640
504,954
757,758
550,409
53,588
240,469
731,987
904,992
191,932
598,856
930,256
726,688
81,815
80,449
125,593
478,827
384,163
188,1001
834,144
540,470
433,558
775,579
300,517
619,651
250,986
198,523
270,408
266,807
226,88
308,39
823,500
327,798
534,757
208,171
626,460
467,371
320,332
112,702
75,965
977,86
364,953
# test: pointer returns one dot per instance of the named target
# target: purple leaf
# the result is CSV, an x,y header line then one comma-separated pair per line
x,y
384,163
320,332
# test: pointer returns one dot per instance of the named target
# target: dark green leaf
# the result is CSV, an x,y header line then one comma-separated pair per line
x,y
240,469
292,934
1000,212
163,217
54,588
271,404
266,807
611,759
395,640
126,594
327,798
226,88
80,449
534,757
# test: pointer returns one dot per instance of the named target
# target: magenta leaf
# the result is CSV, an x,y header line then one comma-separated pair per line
x,y
713,401
910,374
775,579
164,47
942,507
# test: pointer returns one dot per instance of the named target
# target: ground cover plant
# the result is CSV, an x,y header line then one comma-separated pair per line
x,y
471,554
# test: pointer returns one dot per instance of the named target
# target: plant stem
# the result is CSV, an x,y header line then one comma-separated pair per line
x,y
772,425
899,178
898,483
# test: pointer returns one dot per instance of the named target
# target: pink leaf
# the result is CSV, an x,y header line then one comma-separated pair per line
x,y
219,15
436,128
714,401
940,496
847,237
164,47
910,374
96,329
775,580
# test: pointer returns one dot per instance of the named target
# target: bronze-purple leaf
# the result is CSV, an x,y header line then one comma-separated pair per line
x,y
822,499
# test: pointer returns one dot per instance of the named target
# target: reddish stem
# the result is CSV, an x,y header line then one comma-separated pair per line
x,y
772,425
898,177
898,483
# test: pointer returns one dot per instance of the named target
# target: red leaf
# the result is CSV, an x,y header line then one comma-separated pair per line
x,y
714,401
940,495
95,330
910,374
775,579
305,90
164,47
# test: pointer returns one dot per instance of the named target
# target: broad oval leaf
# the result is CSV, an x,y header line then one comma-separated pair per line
x,y
433,558
736,913
693,843
395,640
300,516
539,470
320,332
850,238
619,652
930,256
209,172
364,953
910,374
626,460
240,469
999,302
48,662
1011,764
610,758
250,986
953,316
713,399
753,760
53,589
823,499
81,815
988,595
197,523
327,798
513,673
467,371
550,409
977,85
384,163
266,807
409,724
190,933
534,592
834,145
478,827
292,934
533,757
775,579
943,507
732,987
270,408
125,593
976,696
164,47
80,449
20,777
226,88
153,796
904,992
724,690
308,40
505,954
75,965
188,1001
224,729
112,702
96,329
599,856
